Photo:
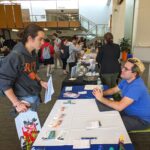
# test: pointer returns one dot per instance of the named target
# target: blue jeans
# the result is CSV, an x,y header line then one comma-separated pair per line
x,y
33,100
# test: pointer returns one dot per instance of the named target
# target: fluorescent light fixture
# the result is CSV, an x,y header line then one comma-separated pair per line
x,y
45,29
15,30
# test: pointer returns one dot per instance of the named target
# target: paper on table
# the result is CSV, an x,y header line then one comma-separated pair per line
x,y
82,92
68,88
91,87
71,95
93,124
49,92
80,144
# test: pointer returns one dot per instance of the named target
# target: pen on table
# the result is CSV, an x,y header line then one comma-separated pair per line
x,y
99,123
88,138
121,143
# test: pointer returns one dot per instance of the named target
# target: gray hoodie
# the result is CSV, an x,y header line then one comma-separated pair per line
x,y
15,70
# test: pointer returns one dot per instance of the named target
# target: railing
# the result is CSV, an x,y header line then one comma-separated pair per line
x,y
86,23
92,30
54,17
102,29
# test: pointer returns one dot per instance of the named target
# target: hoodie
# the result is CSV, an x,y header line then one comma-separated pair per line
x,y
18,72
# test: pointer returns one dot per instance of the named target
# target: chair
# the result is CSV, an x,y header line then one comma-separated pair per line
x,y
140,139
140,131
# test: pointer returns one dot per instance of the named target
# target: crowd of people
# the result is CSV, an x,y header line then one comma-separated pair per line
x,y
22,85
62,52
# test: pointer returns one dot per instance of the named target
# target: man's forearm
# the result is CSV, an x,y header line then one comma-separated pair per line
x,y
12,97
113,104
111,91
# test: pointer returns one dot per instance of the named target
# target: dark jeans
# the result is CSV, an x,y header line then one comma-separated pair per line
x,y
110,79
64,61
134,123
130,122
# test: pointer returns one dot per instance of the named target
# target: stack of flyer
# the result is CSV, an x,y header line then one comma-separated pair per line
x,y
71,95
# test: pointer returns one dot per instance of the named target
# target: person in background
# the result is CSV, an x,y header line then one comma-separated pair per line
x,y
108,59
18,78
64,54
10,43
73,50
48,60
87,50
57,44
135,103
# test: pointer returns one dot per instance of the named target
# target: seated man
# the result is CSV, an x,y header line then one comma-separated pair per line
x,y
135,103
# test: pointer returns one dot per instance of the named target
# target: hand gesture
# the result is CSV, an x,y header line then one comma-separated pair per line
x,y
22,106
97,93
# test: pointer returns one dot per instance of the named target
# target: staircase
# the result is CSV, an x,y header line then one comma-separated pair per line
x,y
93,31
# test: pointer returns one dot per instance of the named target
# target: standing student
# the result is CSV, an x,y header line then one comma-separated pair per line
x,y
47,55
57,44
64,54
73,50
18,78
108,59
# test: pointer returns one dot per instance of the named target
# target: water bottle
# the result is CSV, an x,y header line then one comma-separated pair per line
x,y
100,83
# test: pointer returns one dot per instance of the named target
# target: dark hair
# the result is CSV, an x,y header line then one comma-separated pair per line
x,y
55,34
108,37
30,30
46,40
74,38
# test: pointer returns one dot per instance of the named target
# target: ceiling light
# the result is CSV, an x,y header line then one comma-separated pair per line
x,y
15,30
45,29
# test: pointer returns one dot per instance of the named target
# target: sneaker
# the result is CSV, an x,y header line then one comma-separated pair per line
x,y
65,72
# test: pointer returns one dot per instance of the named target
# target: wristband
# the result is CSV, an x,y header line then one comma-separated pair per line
x,y
16,105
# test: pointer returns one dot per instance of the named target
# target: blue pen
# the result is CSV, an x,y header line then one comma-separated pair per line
x,y
88,138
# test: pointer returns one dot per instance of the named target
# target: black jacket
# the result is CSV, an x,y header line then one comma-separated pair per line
x,y
65,53
107,57
14,72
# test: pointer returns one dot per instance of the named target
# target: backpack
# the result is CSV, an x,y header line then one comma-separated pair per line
x,y
21,57
46,53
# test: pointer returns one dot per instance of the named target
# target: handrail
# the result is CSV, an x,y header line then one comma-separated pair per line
x,y
90,27
87,19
